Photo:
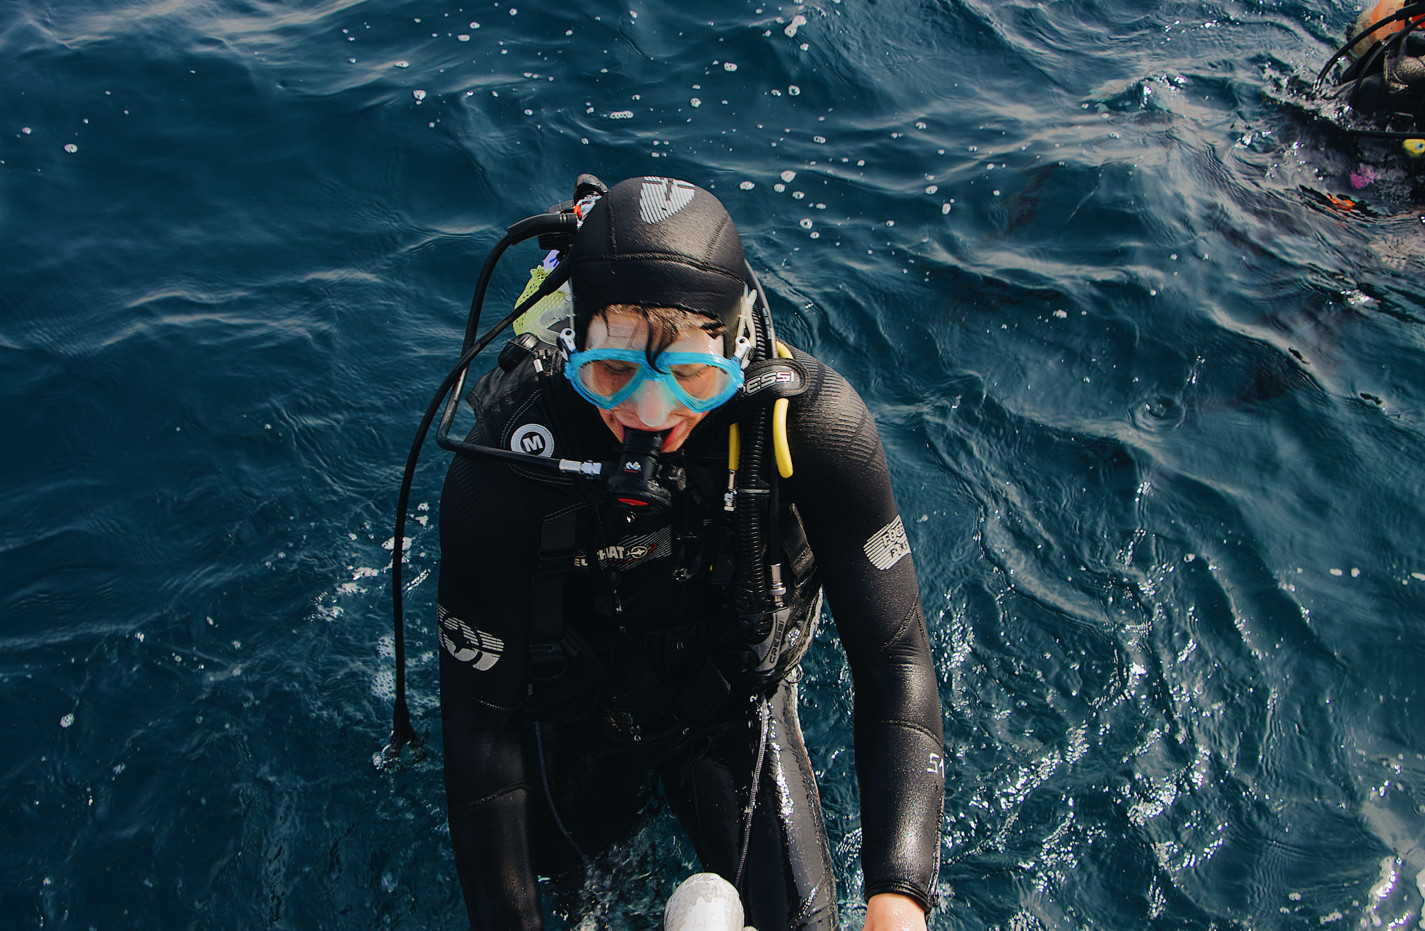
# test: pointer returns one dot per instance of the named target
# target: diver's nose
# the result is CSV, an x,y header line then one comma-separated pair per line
x,y
653,405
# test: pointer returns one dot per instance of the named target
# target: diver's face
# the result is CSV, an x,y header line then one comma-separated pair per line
x,y
651,408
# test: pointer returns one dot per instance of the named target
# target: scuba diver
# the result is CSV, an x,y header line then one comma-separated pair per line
x,y
635,537
1384,78
1378,77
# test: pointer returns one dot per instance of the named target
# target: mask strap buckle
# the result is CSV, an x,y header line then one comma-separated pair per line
x,y
566,342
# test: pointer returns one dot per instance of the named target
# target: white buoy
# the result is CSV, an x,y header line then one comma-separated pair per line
x,y
703,902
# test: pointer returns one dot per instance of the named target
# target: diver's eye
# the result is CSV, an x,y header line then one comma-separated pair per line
x,y
701,381
607,376
616,368
690,373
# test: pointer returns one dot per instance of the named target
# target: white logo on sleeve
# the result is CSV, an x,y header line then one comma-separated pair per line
x,y
480,648
660,198
888,545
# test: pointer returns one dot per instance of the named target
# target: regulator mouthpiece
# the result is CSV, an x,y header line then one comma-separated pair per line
x,y
637,481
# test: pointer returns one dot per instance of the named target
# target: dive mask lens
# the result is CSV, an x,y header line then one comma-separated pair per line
x,y
696,380
607,382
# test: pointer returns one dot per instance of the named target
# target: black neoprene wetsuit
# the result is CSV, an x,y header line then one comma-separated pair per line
x,y
592,741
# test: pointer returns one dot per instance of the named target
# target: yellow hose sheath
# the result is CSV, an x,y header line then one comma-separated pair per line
x,y
779,425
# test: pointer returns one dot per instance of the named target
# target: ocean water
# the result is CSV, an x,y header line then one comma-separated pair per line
x,y
1155,410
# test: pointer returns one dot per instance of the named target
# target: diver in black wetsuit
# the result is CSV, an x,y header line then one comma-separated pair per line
x,y
1375,84
602,633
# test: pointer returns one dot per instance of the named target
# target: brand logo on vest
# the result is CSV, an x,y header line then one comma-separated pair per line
x,y
660,198
480,648
630,550
533,439
758,382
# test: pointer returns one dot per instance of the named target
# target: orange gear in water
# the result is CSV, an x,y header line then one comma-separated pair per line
x,y
1369,18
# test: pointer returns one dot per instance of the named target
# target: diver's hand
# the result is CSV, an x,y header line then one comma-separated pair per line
x,y
892,912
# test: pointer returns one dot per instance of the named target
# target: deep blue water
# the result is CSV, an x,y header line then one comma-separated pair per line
x,y
1156,415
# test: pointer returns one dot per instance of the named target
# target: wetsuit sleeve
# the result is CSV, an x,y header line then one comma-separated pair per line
x,y
843,492
487,555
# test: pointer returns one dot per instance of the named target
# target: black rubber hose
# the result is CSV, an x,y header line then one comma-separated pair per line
x,y
753,502
402,732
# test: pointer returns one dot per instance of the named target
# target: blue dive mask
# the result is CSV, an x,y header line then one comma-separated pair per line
x,y
699,381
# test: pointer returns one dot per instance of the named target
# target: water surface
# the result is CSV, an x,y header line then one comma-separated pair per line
x,y
1155,412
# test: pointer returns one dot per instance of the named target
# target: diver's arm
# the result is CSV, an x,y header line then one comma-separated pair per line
x,y
844,495
487,799
484,594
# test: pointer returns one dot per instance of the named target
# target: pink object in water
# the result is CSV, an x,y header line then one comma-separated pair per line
x,y
1363,176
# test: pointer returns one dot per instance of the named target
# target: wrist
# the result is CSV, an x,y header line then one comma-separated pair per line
x,y
891,911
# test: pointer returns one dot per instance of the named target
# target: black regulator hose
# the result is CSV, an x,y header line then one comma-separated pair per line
x,y
544,224
759,593
402,732
548,286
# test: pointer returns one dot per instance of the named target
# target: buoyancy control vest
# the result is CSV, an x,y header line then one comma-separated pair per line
x,y
639,623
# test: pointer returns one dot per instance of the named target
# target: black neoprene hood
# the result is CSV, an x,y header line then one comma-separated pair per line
x,y
658,242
